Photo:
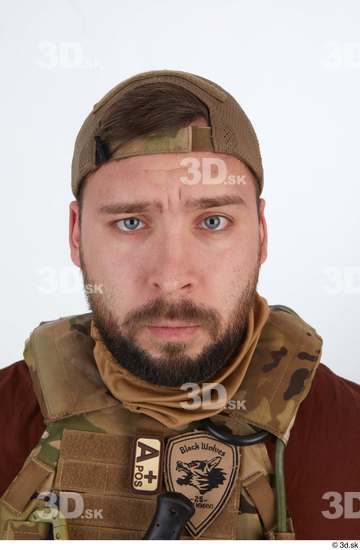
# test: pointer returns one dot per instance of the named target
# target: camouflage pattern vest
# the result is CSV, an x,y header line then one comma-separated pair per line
x,y
87,447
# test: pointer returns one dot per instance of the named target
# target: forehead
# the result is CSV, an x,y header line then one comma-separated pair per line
x,y
186,174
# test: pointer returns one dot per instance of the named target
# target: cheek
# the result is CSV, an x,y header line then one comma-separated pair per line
x,y
119,274
108,257
122,276
238,259
245,253
229,274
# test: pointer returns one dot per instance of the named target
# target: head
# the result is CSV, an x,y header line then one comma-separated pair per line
x,y
170,267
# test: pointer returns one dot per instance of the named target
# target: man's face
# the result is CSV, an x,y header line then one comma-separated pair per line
x,y
177,263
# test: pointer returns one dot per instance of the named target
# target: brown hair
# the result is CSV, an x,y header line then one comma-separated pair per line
x,y
149,108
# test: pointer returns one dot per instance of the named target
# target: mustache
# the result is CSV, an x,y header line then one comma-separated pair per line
x,y
183,310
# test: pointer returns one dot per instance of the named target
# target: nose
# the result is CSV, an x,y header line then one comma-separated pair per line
x,y
172,270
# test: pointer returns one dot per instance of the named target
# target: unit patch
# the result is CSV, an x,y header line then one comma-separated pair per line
x,y
205,470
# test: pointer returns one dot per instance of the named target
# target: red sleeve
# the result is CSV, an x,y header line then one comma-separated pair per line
x,y
323,456
21,421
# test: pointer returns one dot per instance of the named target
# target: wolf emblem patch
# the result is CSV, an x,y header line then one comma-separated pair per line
x,y
205,470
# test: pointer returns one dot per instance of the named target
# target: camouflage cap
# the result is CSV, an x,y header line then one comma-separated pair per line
x,y
231,131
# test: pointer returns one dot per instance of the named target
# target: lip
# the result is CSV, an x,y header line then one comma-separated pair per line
x,y
172,324
173,332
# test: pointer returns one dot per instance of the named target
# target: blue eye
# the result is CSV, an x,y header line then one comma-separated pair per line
x,y
214,222
129,224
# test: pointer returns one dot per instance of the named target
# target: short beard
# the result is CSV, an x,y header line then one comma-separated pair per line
x,y
176,369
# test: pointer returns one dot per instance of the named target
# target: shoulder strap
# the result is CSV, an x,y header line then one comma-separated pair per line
x,y
280,374
60,358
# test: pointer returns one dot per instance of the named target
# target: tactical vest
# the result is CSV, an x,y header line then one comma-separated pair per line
x,y
88,445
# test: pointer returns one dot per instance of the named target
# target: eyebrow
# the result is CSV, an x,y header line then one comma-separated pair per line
x,y
195,204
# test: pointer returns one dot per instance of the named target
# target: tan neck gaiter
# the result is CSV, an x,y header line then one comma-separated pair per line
x,y
166,404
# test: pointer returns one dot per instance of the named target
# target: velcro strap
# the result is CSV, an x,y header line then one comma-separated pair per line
x,y
84,476
185,140
93,446
262,494
89,532
94,462
29,479
26,530
115,512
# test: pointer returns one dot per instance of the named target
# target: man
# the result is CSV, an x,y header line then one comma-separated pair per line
x,y
182,378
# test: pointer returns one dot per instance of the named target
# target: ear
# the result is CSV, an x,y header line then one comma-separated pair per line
x,y
262,232
213,462
74,232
